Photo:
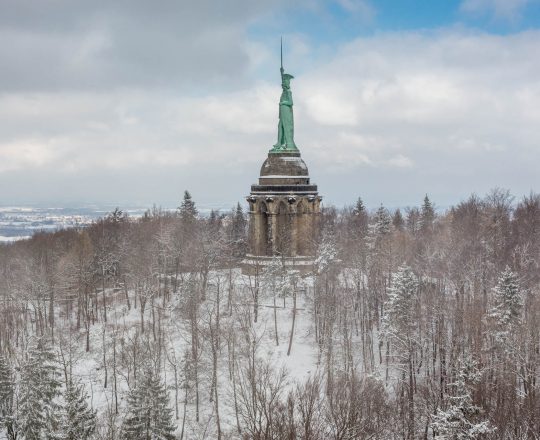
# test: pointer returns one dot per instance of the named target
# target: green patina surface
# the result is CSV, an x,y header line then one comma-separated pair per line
x,y
285,142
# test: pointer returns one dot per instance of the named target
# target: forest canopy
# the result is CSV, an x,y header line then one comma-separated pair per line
x,y
423,323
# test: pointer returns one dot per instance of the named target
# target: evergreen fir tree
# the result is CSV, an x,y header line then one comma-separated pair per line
x,y
459,418
379,229
39,390
399,309
360,219
239,223
400,327
7,393
397,221
79,421
7,388
238,231
359,207
427,215
148,414
383,222
506,311
188,211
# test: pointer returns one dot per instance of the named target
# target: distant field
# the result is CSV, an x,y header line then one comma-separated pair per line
x,y
19,222
22,222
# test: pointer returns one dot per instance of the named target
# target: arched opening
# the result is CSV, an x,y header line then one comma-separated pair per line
x,y
283,239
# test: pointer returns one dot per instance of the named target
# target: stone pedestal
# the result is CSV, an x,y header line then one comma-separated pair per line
x,y
284,212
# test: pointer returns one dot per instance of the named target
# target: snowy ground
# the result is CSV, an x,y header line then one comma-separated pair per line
x,y
301,363
4,239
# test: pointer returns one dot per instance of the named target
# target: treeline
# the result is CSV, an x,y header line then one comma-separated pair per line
x,y
77,272
425,325
446,307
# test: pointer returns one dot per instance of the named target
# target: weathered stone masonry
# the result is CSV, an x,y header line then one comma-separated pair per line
x,y
284,211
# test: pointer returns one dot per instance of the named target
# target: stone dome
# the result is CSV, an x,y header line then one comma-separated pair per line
x,y
284,164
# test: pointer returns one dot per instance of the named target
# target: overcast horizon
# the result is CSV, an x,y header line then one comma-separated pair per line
x,y
130,103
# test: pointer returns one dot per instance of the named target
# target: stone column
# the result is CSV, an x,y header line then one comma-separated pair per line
x,y
293,224
273,231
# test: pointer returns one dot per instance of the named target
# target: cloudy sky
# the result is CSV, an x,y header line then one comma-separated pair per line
x,y
129,102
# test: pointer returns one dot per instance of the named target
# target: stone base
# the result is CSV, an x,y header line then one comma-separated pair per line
x,y
255,264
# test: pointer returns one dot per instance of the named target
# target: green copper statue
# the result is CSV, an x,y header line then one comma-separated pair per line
x,y
285,142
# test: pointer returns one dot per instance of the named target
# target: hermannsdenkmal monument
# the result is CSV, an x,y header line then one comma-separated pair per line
x,y
284,206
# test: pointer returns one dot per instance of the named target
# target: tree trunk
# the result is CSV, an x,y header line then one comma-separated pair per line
x,y
293,321
275,321
104,358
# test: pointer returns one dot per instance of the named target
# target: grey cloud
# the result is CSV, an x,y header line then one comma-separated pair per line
x,y
134,119
59,45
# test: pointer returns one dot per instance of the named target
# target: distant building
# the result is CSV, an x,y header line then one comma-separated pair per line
x,y
284,206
